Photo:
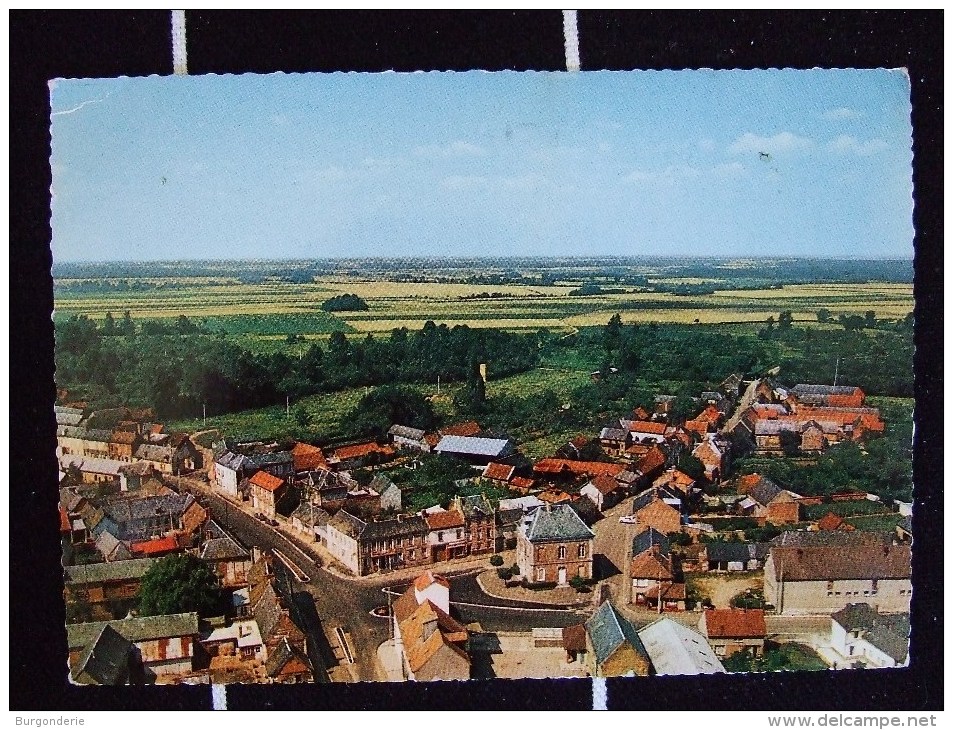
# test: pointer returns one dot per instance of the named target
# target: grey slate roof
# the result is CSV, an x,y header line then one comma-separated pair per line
x,y
112,548
280,655
91,464
644,499
106,660
414,434
648,539
381,483
735,552
222,546
474,446
676,649
150,452
233,461
103,572
475,504
888,632
277,457
358,529
805,389
608,630
764,492
557,523
67,416
613,434
141,628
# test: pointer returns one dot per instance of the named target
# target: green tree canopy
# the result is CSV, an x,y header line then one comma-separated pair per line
x,y
178,584
380,409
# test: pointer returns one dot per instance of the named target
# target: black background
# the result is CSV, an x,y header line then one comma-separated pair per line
x,y
46,45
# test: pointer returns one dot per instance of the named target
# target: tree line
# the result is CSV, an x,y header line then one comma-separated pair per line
x,y
176,366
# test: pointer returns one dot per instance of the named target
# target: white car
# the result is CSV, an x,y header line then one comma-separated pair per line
x,y
627,519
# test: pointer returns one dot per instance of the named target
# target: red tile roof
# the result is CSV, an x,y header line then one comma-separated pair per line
x,y
641,414
830,521
554,496
307,457
499,472
650,565
585,468
358,450
699,426
648,427
428,578
522,483
444,520
467,428
165,544
604,484
735,623
264,480
64,521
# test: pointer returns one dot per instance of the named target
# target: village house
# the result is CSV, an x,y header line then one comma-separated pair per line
x,y
676,482
239,638
480,521
713,454
569,470
604,491
367,547
499,472
147,518
677,650
860,634
122,444
446,539
231,469
390,495
177,455
657,509
431,644
464,428
613,646
573,449
730,630
81,441
555,546
836,396
93,470
306,458
106,661
161,645
830,521
266,491
615,439
733,557
327,489
345,457
101,591
410,439
645,432
652,573
288,659
279,464
228,560
767,502
822,572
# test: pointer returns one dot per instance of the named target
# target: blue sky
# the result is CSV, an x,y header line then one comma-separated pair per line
x,y
696,163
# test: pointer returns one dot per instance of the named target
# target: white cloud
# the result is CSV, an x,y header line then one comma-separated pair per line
x,y
454,149
779,143
848,145
840,113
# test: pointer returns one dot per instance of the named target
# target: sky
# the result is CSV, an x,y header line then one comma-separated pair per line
x,y
642,163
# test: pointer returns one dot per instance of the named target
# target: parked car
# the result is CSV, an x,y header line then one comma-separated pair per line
x,y
627,519
273,522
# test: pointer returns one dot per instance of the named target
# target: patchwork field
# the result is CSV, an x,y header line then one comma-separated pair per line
x,y
278,309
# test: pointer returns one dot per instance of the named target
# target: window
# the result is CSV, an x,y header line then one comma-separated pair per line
x,y
642,582
581,551
873,587
581,571
540,574
459,534
562,552
413,554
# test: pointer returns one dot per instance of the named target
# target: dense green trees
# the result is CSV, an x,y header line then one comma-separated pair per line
x,y
176,367
344,303
178,584
389,404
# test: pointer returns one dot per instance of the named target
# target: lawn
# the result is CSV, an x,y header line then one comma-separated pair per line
x,y
787,657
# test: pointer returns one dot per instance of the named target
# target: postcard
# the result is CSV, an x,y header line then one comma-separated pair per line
x,y
456,376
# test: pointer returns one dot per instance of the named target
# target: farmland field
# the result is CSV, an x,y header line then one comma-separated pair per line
x,y
280,308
